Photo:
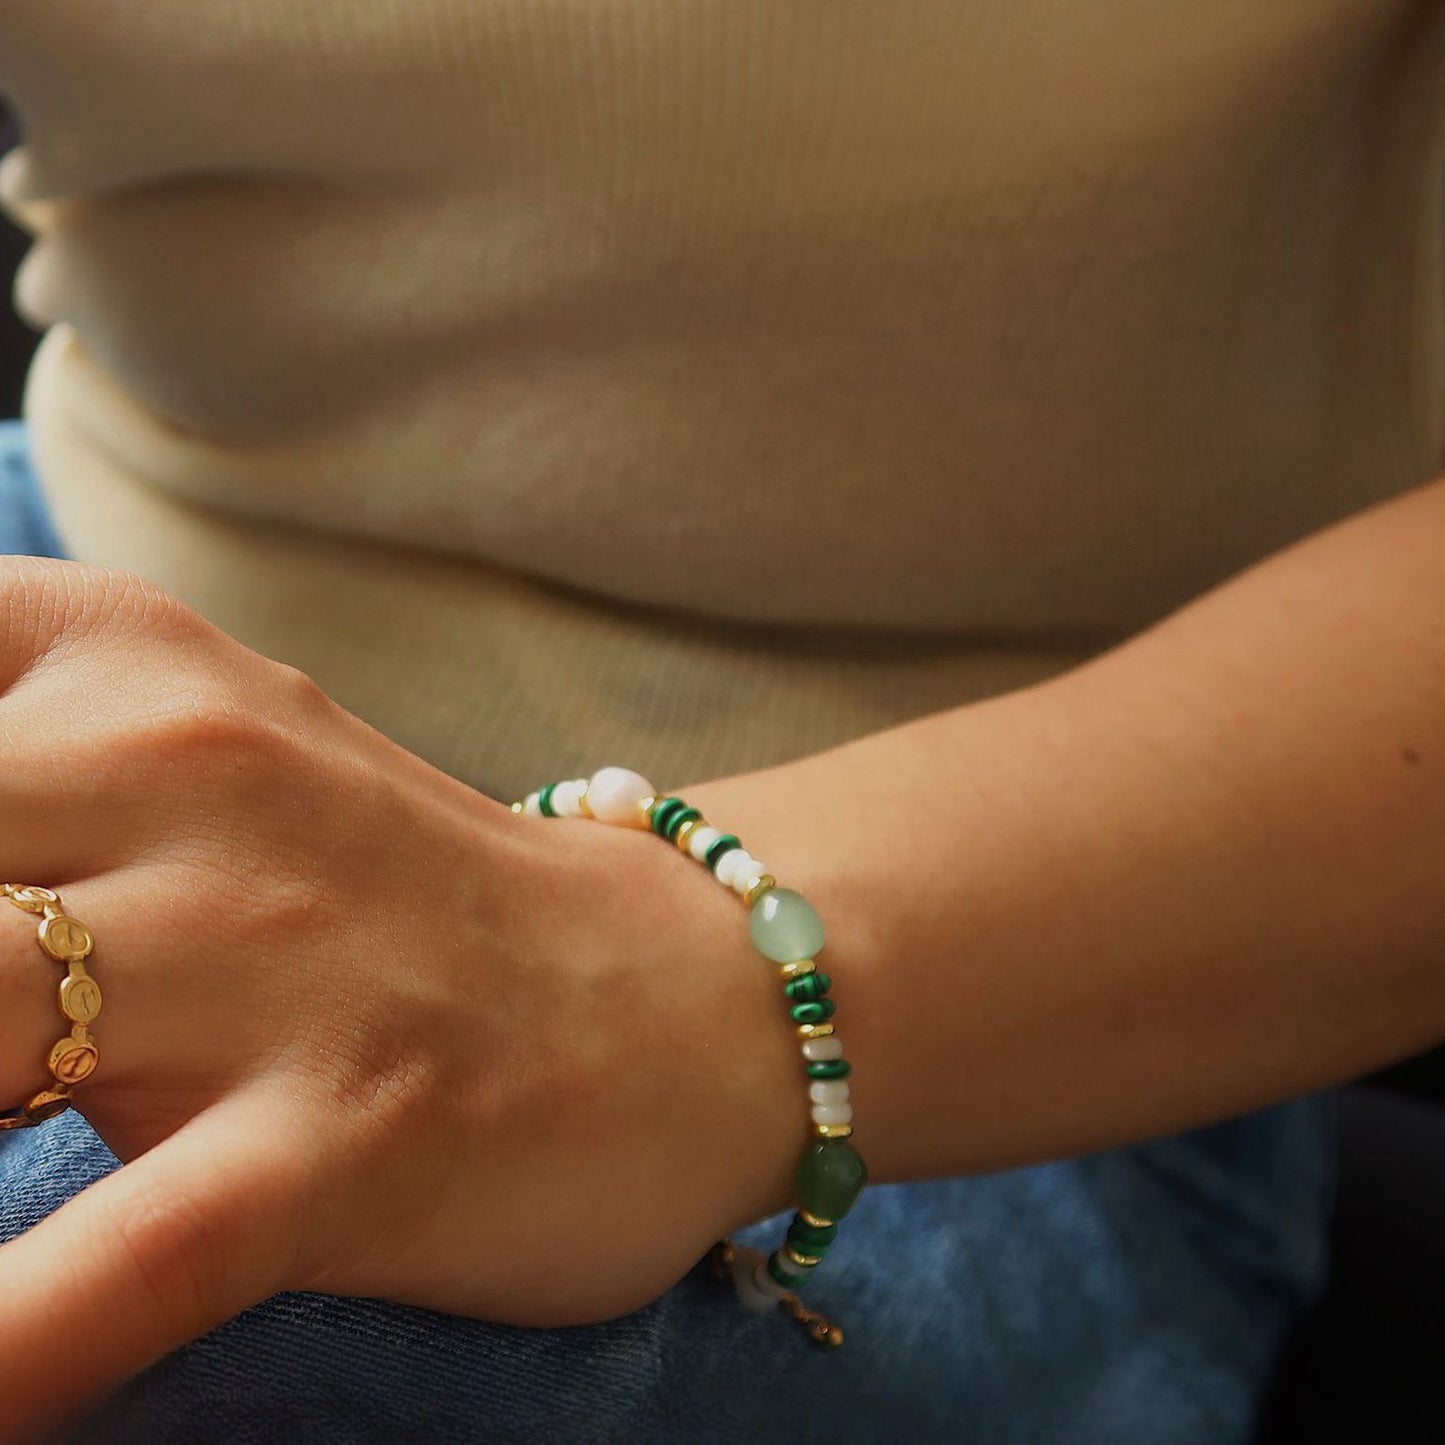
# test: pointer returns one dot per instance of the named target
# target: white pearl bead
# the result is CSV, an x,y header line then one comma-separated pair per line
x,y
566,798
702,840
828,1091
614,793
728,864
532,805
744,877
816,1050
832,1113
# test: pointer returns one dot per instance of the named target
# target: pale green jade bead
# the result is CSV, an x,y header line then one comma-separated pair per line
x,y
785,926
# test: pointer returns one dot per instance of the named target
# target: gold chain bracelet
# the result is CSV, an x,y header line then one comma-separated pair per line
x,y
74,1057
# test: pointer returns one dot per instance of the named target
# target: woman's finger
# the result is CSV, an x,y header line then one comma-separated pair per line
x,y
152,1256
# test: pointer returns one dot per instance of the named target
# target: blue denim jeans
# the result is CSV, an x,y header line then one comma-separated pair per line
x,y
1137,1297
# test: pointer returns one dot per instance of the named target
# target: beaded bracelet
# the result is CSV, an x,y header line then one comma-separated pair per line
x,y
787,930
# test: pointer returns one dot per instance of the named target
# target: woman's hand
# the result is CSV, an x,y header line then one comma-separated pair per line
x,y
365,1030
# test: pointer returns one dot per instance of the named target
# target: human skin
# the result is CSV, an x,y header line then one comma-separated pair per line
x,y
370,1033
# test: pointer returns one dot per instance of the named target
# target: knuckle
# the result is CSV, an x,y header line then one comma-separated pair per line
x,y
298,691
54,599
229,731
204,729
133,603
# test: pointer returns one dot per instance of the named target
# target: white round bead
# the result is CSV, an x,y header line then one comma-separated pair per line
x,y
702,840
613,794
790,1266
832,1113
828,1091
744,877
532,805
816,1050
766,1286
728,864
566,797
756,1295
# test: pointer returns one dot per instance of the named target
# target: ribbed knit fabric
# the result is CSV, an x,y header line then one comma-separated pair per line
x,y
376,323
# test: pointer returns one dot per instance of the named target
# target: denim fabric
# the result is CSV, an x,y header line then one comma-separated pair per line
x,y
1134,1296
25,527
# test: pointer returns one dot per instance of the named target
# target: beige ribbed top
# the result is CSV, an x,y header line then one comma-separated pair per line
x,y
696,383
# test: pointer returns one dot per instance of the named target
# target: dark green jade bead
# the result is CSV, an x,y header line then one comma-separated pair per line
x,y
809,987
813,1013
810,1238
675,821
544,801
828,1069
722,845
831,1176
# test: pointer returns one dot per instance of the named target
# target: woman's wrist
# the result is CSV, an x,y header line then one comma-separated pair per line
x,y
1135,899
685,968
787,933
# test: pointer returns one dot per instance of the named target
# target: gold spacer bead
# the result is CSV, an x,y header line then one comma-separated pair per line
x,y
803,1261
584,808
516,807
763,883
790,971
816,1220
684,833
644,809
814,1031
832,1131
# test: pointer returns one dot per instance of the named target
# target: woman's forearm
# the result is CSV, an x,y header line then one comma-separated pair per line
x,y
1197,875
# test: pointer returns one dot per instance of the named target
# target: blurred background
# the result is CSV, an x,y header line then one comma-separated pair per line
x,y
16,342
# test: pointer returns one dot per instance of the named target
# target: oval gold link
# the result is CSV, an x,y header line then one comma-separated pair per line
x,y
72,1059
80,996
65,939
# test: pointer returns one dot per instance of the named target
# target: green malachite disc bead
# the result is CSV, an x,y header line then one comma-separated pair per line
x,y
829,1069
810,1238
677,819
544,801
818,1012
831,1176
663,813
785,926
811,986
722,845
